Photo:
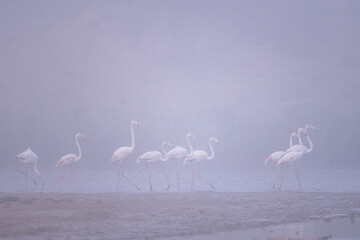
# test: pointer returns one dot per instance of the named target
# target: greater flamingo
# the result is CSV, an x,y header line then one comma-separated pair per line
x,y
293,157
69,159
154,156
123,153
29,157
200,155
276,156
298,147
180,153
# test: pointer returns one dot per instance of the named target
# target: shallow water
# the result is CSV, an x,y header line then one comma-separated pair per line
x,y
224,180
331,228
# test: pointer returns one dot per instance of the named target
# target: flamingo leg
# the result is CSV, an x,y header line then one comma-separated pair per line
x,y
150,180
192,181
118,179
296,172
166,178
177,175
126,178
25,179
73,178
61,179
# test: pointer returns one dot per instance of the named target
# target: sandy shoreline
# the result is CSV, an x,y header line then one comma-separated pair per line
x,y
157,215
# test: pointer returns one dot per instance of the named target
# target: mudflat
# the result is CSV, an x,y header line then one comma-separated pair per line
x,y
161,215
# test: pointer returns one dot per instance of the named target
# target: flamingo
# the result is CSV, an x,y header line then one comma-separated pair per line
x,y
298,147
69,159
28,156
123,153
154,156
293,157
180,153
276,156
199,155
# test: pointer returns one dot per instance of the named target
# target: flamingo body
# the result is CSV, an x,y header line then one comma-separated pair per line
x,y
29,157
121,154
152,156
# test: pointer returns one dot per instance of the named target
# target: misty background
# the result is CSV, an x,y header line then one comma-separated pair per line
x,y
246,72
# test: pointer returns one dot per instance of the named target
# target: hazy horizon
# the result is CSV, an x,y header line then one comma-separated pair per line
x,y
246,72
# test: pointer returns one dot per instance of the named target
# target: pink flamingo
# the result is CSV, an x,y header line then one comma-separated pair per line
x,y
293,157
29,157
298,148
180,153
69,159
200,155
123,153
155,156
276,156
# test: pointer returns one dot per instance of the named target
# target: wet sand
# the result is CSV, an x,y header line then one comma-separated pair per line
x,y
162,215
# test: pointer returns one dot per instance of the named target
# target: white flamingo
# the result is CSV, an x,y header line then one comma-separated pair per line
x,y
69,159
293,157
179,153
276,156
298,148
123,153
200,155
29,157
155,156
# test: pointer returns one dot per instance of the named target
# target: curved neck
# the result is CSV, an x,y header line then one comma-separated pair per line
x,y
165,153
79,148
303,148
132,138
310,143
211,150
190,146
291,140
163,148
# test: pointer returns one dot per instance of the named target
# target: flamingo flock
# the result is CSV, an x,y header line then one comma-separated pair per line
x,y
291,157
280,160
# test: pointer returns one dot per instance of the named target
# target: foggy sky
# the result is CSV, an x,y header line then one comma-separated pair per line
x,y
246,72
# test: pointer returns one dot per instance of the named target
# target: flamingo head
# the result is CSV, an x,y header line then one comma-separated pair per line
x,y
190,135
135,123
294,135
215,140
310,127
79,135
138,160
166,143
302,130
186,160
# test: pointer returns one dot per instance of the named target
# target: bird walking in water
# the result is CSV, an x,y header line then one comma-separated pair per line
x,y
29,157
123,153
179,153
155,156
200,155
276,156
298,148
69,159
292,158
